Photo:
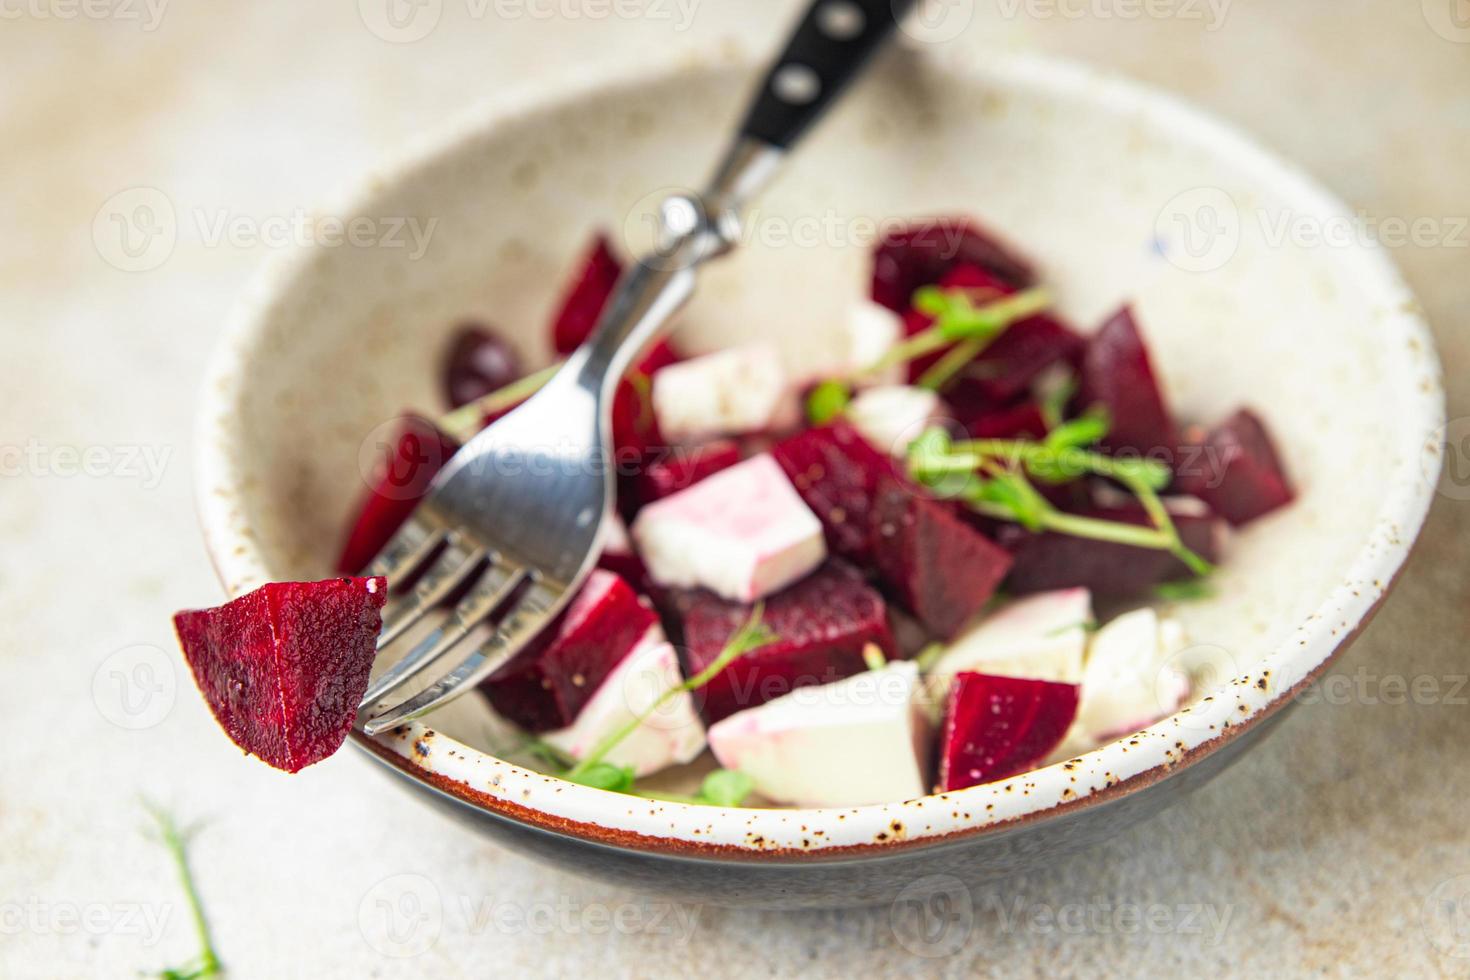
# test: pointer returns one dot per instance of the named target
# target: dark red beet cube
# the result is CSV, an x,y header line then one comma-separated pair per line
x,y
1020,421
585,296
546,685
920,253
933,562
479,362
406,466
1235,469
822,623
635,428
996,727
678,468
1117,374
284,667
837,473
1050,560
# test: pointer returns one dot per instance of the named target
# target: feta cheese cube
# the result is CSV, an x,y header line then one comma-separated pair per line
x,y
892,416
1042,637
671,736
860,740
1127,683
743,533
871,331
742,389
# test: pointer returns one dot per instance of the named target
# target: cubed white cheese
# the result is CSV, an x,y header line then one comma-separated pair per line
x,y
892,416
871,331
861,740
741,389
672,735
615,538
742,533
1042,636
1128,683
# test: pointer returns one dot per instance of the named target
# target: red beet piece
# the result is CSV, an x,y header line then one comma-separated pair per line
x,y
284,667
837,473
934,563
1236,470
822,623
400,479
1020,421
923,251
1049,560
1116,373
585,296
996,727
635,428
545,686
678,469
479,362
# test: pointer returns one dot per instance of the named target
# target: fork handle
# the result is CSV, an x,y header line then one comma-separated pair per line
x,y
832,43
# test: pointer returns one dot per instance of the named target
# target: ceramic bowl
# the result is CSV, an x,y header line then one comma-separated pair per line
x,y
1119,193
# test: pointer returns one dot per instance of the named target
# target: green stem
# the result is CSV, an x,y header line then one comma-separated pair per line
x,y
465,421
980,324
942,371
208,961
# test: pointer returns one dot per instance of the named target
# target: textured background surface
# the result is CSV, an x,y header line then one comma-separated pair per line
x,y
1339,846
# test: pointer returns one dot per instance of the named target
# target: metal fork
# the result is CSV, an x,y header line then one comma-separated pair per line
x,y
514,522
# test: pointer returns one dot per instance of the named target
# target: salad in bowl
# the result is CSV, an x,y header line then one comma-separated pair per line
x,y
947,557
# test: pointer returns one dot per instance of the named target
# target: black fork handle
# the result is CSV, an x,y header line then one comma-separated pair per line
x,y
830,46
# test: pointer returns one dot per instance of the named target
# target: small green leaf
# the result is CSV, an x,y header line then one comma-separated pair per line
x,y
827,401
873,657
725,787
931,300
1054,392
1079,433
929,656
1187,590
604,775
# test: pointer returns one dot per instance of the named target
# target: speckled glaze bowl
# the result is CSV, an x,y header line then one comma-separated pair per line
x,y
1118,192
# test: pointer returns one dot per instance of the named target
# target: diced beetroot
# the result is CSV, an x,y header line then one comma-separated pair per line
x,y
996,727
399,481
923,251
1020,421
479,361
1116,373
284,667
585,296
934,563
837,473
545,686
678,468
822,623
1050,560
1235,469
635,428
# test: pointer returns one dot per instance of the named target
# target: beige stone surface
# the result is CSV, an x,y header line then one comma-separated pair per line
x,y
1337,847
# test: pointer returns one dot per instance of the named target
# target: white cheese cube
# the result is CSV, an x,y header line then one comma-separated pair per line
x,y
742,389
1043,637
671,736
861,740
871,331
742,533
615,540
892,416
1128,683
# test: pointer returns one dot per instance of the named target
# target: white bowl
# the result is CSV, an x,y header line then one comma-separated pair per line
x,y
1103,182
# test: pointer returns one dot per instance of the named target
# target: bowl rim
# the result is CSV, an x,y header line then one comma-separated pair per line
x,y
1120,768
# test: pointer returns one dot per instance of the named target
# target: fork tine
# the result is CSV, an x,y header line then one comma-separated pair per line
x,y
406,550
446,574
529,616
498,582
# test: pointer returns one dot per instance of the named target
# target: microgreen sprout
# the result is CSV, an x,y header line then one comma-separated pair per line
x,y
176,840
